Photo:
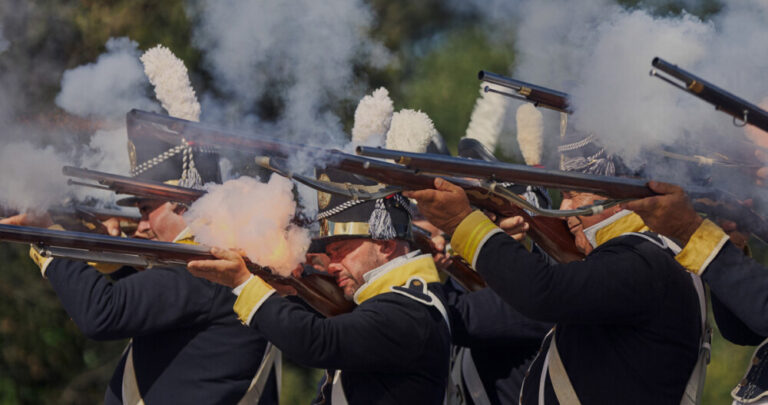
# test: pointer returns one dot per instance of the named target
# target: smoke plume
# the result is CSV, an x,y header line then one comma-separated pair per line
x,y
253,216
600,54
303,51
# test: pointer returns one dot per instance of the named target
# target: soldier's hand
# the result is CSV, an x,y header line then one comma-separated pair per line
x,y
29,219
737,237
445,206
670,213
516,227
113,226
229,270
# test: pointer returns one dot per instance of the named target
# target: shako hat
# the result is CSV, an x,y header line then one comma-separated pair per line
x,y
584,154
158,152
342,218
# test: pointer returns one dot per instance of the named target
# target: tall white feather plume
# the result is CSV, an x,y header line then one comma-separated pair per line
x,y
169,76
487,118
372,118
530,127
410,131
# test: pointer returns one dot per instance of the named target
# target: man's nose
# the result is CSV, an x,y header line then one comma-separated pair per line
x,y
334,268
566,204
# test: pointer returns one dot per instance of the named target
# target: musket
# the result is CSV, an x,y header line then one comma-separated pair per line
x,y
128,218
318,290
736,107
538,95
129,185
710,201
76,216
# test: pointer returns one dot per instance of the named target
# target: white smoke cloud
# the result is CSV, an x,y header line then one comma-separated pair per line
x,y
600,54
33,181
304,51
4,43
108,88
253,216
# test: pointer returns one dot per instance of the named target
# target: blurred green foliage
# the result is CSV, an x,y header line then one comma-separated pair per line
x,y
43,357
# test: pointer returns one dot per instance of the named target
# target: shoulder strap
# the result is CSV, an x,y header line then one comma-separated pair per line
x,y
272,356
416,289
695,385
130,389
337,392
561,384
472,379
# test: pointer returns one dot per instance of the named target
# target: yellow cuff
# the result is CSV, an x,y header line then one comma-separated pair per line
x,y
250,299
471,235
41,261
702,248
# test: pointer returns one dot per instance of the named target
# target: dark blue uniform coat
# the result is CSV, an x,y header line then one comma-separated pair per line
x,y
188,345
628,318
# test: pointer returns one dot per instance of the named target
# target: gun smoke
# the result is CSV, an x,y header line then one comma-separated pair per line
x,y
600,53
255,217
304,51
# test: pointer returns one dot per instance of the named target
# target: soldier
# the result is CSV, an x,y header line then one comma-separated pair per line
x,y
739,284
183,330
393,348
628,318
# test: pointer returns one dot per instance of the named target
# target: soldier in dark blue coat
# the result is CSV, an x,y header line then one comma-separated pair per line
x,y
628,318
187,345
393,348
739,284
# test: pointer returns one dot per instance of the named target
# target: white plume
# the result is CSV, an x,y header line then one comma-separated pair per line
x,y
410,131
169,76
530,128
487,118
372,118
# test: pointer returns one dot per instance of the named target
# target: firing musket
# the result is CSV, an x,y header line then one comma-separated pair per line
x,y
738,108
492,175
538,95
318,290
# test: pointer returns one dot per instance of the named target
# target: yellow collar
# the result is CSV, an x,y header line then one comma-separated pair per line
x,y
186,236
420,266
616,225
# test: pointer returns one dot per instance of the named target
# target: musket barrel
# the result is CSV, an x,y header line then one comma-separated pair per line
x,y
725,101
616,187
137,187
539,95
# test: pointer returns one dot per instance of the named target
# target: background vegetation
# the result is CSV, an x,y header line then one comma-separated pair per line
x,y
43,357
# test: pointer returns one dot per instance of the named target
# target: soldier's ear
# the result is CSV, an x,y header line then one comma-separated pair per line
x,y
387,247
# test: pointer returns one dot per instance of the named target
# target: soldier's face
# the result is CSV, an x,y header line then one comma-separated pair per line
x,y
350,259
159,221
573,200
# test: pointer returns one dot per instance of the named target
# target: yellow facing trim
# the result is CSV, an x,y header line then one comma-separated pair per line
x,y
252,296
702,248
628,223
422,266
470,233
